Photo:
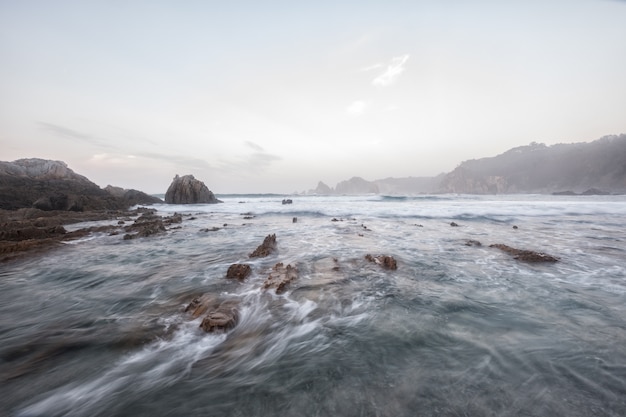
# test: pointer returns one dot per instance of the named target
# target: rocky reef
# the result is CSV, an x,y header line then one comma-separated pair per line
x,y
188,190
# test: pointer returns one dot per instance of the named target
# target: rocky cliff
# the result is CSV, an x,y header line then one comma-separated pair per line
x,y
538,168
188,190
51,185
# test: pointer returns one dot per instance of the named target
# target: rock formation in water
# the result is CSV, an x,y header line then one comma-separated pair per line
x,y
280,277
266,248
385,261
188,190
238,271
525,255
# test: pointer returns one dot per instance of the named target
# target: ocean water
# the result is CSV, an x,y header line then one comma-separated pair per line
x,y
97,327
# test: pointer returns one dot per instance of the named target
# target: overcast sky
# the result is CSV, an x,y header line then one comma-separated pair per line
x,y
274,96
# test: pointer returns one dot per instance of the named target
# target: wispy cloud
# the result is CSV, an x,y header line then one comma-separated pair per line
x,y
254,146
356,108
371,67
74,135
393,71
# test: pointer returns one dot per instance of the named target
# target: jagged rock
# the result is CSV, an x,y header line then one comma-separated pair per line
x,y
188,190
386,261
238,271
525,255
266,248
280,277
149,224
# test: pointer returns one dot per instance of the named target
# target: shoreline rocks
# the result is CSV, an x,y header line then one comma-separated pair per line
x,y
525,255
266,248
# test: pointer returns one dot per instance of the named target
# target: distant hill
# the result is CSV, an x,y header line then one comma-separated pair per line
x,y
577,168
537,168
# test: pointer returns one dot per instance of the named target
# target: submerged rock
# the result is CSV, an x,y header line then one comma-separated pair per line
x,y
220,315
280,277
525,255
386,261
188,190
266,248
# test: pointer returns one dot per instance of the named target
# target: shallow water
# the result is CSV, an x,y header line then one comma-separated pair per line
x,y
97,328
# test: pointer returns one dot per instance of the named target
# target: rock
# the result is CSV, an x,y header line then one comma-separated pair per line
x,y
132,197
188,190
220,316
473,243
280,277
238,271
266,248
149,224
51,185
294,220
453,224
287,201
386,261
525,255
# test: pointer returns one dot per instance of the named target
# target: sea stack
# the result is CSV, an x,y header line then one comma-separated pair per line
x,y
188,190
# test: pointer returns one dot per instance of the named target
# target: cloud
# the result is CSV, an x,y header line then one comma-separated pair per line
x,y
74,135
254,146
356,108
371,67
393,71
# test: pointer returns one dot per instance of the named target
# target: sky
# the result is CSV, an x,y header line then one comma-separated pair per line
x,y
274,96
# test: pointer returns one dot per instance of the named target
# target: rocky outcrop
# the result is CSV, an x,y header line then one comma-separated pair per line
x,y
385,261
322,189
188,190
149,223
238,271
51,185
266,248
525,255
132,197
219,315
280,277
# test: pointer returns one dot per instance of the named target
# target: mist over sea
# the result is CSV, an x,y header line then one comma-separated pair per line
x,y
98,328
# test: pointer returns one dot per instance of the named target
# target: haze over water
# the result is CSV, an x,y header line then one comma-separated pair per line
x,y
97,327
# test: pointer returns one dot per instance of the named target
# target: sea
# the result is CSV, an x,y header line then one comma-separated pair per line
x,y
98,326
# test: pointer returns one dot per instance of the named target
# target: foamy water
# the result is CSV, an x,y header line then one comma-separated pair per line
x,y
97,328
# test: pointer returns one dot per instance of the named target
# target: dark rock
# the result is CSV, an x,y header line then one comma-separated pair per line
x,y
287,201
294,220
239,271
188,190
280,277
266,248
132,197
473,243
453,224
51,185
386,261
525,255
515,227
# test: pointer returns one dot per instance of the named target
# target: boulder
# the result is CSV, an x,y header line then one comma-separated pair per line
x,y
188,190
238,271
221,316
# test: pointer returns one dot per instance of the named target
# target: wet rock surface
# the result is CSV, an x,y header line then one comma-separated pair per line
x,y
280,277
385,261
266,248
238,271
525,255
